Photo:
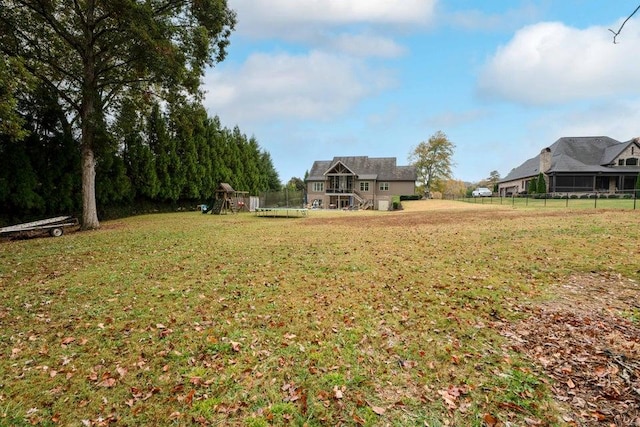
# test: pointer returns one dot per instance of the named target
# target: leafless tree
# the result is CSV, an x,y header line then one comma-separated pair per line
x,y
617,33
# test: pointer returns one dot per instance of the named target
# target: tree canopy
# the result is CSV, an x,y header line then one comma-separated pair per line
x,y
157,158
94,54
433,160
492,181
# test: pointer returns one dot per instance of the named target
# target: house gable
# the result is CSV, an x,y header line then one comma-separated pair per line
x,y
339,168
628,155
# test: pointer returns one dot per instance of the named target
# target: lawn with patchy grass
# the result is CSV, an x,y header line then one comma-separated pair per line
x,y
339,318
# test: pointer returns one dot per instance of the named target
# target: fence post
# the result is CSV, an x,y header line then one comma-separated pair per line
x,y
567,203
595,201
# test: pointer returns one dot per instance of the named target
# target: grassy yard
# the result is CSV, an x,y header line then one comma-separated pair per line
x,y
340,318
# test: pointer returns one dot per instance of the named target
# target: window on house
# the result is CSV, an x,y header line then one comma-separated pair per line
x,y
384,186
632,151
318,187
632,161
364,186
621,162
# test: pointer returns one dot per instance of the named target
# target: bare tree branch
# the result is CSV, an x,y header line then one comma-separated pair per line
x,y
617,33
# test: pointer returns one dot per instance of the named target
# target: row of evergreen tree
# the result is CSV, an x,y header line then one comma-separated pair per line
x,y
159,157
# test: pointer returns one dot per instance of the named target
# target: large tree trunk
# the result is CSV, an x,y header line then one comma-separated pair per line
x,y
89,209
89,124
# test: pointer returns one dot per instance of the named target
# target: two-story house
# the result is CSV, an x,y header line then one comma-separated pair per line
x,y
358,182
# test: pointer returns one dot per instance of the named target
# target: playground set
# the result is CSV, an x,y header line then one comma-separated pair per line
x,y
227,200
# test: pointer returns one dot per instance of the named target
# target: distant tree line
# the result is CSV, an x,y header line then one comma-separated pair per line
x,y
153,155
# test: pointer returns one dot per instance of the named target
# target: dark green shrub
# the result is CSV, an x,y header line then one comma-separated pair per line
x,y
541,187
533,186
410,197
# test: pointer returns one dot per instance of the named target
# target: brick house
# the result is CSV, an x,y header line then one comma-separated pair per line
x,y
358,182
579,165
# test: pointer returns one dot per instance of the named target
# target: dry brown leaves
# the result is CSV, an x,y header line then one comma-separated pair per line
x,y
592,353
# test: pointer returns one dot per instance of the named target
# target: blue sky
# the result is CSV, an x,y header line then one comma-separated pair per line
x,y
314,79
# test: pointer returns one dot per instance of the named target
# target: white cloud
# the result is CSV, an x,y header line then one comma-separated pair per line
x,y
616,119
550,63
315,85
362,28
330,12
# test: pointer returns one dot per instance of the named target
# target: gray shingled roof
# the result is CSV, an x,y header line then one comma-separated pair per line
x,y
574,154
378,168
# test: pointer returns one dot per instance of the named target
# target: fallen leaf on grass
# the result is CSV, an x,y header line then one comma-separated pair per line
x,y
338,392
451,394
107,382
66,341
359,420
490,420
449,400
377,409
189,398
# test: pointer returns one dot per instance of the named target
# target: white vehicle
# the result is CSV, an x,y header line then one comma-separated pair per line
x,y
481,192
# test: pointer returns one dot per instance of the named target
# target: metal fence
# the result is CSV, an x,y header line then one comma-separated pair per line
x,y
282,199
595,200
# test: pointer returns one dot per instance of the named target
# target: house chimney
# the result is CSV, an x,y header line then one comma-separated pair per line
x,y
545,159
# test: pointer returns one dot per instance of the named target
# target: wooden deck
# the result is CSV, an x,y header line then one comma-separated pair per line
x,y
281,212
